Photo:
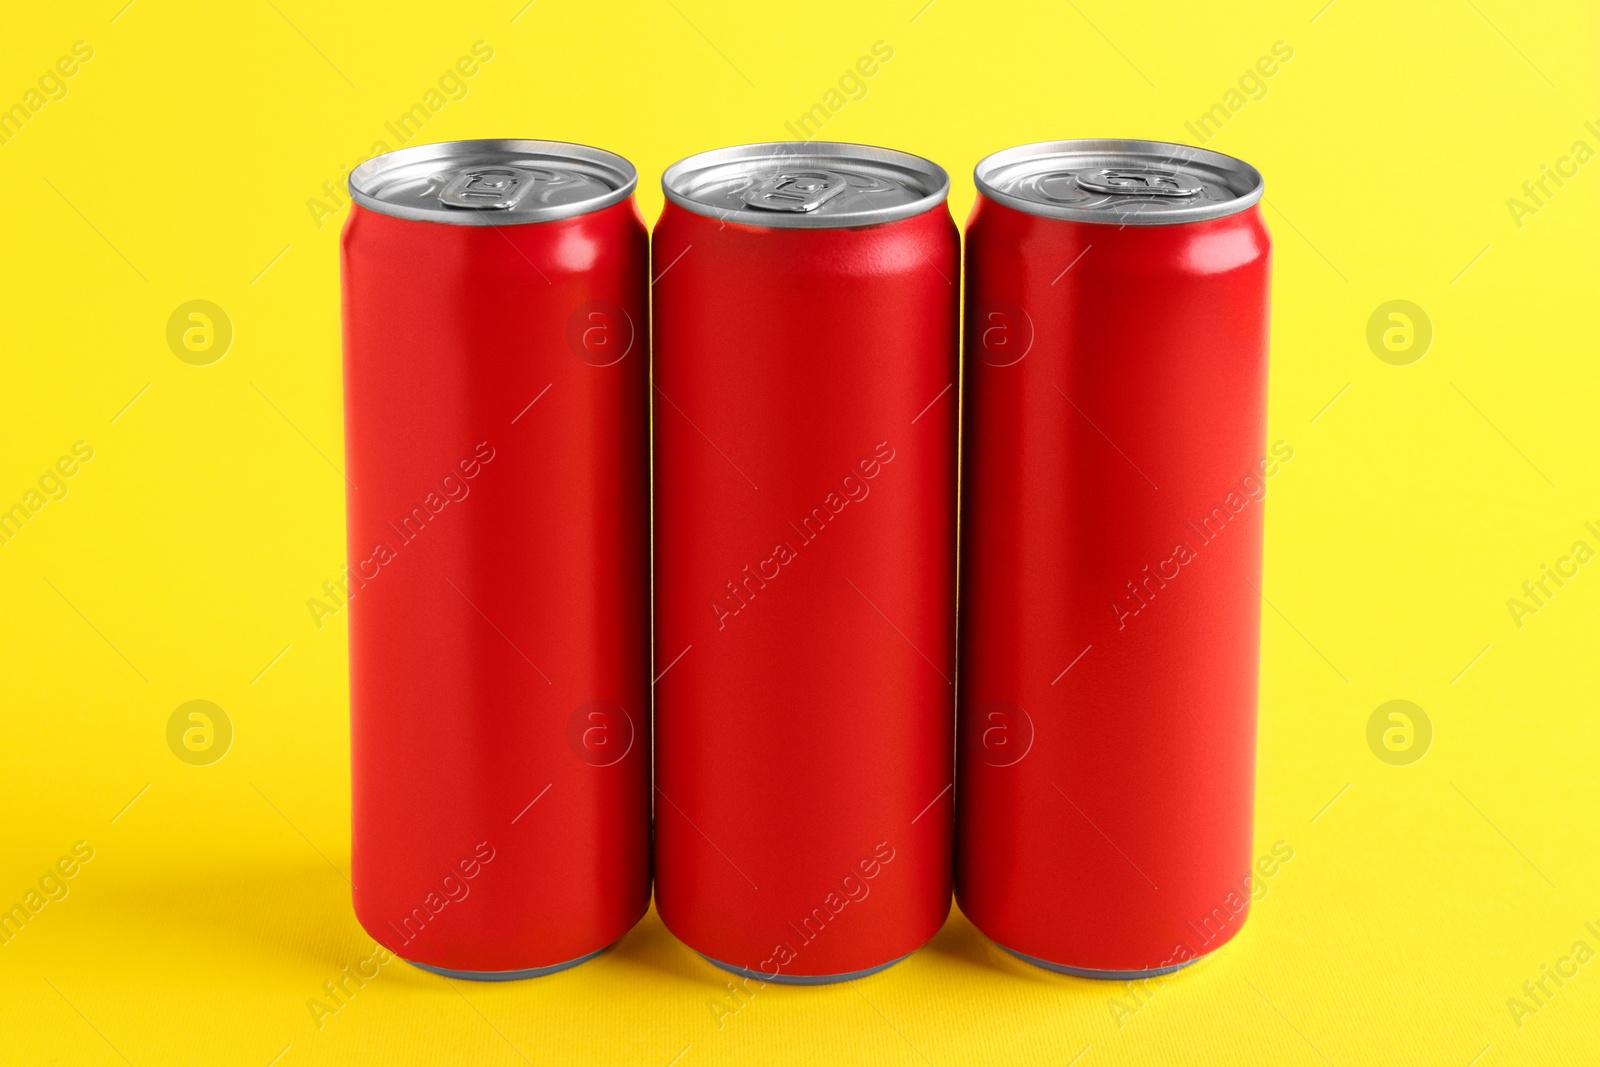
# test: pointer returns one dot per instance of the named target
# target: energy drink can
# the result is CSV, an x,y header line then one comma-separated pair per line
x,y
496,437
1114,467
806,328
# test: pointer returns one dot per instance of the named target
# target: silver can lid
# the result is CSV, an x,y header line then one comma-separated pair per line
x,y
492,182
810,185
1125,183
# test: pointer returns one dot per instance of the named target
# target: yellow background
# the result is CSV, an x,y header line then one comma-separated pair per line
x,y
177,567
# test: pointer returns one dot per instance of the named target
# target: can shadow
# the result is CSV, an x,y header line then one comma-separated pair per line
x,y
961,944
300,916
650,947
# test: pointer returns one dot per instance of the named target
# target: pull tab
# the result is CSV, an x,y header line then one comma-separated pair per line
x,y
487,188
795,191
1128,181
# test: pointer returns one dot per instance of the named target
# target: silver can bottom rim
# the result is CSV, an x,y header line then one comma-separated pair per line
x,y
803,979
1103,975
505,976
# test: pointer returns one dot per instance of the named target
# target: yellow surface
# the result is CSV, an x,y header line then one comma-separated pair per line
x,y
180,164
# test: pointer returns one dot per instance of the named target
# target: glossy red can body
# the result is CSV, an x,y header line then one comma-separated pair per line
x,y
497,458
805,475
1114,466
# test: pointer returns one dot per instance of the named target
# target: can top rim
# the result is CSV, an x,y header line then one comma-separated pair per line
x,y
1162,184
529,181
723,182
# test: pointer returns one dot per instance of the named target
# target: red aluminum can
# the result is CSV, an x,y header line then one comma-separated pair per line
x,y
1114,465
806,329
496,414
